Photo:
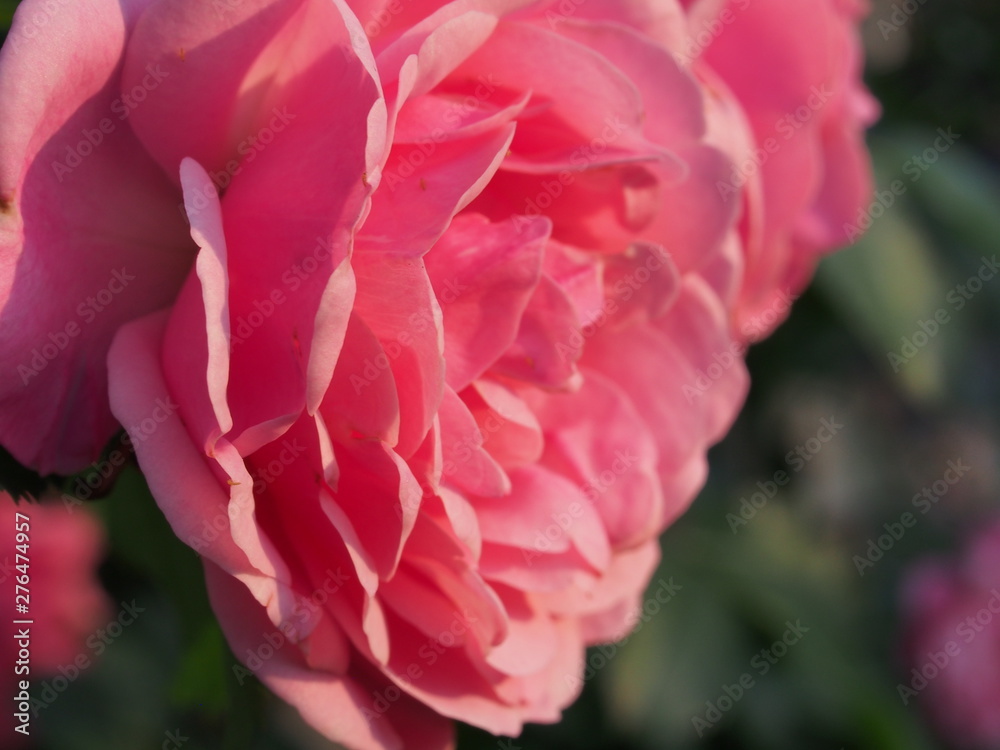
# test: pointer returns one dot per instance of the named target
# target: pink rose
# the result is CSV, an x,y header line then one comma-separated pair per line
x,y
432,321
55,562
951,612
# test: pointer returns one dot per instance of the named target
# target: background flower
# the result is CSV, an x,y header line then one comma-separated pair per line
x,y
952,643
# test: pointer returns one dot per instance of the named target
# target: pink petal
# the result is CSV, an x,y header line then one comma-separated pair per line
x,y
185,485
544,512
596,438
685,408
61,202
339,707
509,427
362,399
543,353
271,113
396,301
466,465
483,276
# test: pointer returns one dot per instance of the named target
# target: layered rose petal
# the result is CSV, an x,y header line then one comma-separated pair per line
x,y
273,135
685,407
72,270
484,276
807,108
340,707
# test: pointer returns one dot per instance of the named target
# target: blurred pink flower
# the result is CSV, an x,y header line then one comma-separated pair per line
x,y
55,565
951,616
422,316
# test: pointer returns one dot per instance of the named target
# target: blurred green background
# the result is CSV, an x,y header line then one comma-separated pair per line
x,y
793,561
